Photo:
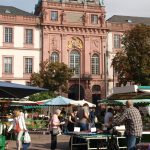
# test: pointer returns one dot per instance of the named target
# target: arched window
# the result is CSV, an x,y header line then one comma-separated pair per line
x,y
54,57
95,64
96,88
75,61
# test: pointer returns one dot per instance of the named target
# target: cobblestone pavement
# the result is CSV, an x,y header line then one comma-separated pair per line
x,y
42,142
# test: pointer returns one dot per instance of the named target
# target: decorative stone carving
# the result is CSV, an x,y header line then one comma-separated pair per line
x,y
102,20
62,17
54,43
95,43
84,18
44,14
75,42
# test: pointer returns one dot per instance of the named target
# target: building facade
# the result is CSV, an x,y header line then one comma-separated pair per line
x,y
117,26
20,47
75,32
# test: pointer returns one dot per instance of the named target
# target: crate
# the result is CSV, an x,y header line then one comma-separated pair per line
x,y
2,147
2,141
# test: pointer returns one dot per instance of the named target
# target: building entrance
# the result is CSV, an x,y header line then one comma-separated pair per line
x,y
74,92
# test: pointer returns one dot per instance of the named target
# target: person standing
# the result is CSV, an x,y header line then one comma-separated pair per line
x,y
83,115
133,124
108,116
72,120
19,127
55,125
92,117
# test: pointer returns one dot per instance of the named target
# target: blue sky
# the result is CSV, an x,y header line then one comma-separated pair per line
x,y
113,7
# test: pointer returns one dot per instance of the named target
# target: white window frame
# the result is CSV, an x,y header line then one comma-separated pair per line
x,y
95,64
29,36
8,65
117,41
28,68
75,61
94,19
54,57
54,15
8,35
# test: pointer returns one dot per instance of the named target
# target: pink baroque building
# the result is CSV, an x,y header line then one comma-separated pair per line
x,y
75,32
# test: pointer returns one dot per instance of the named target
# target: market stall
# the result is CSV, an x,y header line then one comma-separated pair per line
x,y
140,96
9,92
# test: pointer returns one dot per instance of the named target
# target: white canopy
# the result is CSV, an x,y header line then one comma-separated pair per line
x,y
82,102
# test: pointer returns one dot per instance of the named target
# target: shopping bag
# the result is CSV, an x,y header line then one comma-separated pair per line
x,y
27,138
55,131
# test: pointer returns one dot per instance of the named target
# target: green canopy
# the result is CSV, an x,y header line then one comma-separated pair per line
x,y
138,102
130,92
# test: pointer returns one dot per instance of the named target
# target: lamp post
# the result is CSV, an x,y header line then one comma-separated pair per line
x,y
79,82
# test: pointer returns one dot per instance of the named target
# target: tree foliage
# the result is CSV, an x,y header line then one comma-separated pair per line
x,y
41,96
133,62
53,76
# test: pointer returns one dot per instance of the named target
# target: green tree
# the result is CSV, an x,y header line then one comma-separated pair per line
x,y
132,64
53,76
41,96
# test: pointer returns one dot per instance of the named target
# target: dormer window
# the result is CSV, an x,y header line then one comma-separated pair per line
x,y
129,21
7,11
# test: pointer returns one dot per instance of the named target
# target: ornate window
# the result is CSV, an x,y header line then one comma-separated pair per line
x,y
75,61
94,19
8,35
54,57
8,65
95,64
54,15
29,36
117,41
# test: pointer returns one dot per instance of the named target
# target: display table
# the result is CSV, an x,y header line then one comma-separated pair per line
x,y
145,136
143,146
90,140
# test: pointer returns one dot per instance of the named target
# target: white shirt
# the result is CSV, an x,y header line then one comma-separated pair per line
x,y
21,121
108,115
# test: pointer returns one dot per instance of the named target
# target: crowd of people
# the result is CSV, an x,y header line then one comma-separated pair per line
x,y
85,118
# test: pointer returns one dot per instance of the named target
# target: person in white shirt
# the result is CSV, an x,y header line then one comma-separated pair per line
x,y
19,127
108,116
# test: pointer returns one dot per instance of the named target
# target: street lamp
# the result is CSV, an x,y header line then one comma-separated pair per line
x,y
79,82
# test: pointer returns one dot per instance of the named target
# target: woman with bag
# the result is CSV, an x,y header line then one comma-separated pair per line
x,y
26,140
19,127
55,128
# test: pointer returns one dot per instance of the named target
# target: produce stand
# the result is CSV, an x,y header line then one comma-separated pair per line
x,y
140,96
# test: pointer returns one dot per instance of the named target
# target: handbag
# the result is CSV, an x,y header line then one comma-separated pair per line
x,y
55,131
27,138
17,127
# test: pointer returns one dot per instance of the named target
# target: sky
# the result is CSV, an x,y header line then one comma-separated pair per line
x,y
139,8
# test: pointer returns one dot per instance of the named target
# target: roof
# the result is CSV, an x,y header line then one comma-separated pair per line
x,y
129,19
13,11
130,92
